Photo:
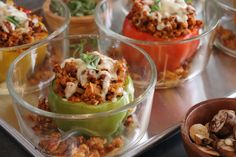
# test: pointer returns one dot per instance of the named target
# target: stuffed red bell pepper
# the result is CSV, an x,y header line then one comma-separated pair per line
x,y
164,21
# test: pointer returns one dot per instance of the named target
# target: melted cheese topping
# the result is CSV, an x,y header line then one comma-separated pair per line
x,y
106,67
8,10
168,8
70,89
178,8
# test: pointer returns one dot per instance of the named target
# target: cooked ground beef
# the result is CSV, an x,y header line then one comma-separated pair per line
x,y
146,23
91,92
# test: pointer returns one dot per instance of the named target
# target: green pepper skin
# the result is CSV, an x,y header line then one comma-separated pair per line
x,y
104,126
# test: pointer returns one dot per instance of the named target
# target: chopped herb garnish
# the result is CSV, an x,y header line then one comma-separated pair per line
x,y
91,60
155,6
78,48
13,20
81,7
56,8
77,7
188,1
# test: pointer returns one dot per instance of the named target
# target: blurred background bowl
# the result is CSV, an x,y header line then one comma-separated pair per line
x,y
78,25
26,88
202,113
8,54
226,31
110,16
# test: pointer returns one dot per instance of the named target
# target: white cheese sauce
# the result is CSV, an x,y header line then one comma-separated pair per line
x,y
70,89
21,17
106,68
167,9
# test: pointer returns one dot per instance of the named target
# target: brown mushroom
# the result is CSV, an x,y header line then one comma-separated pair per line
x,y
208,150
202,140
220,124
231,116
225,131
199,130
229,141
227,151
234,132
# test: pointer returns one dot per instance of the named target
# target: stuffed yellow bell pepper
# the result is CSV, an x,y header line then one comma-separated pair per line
x,y
18,27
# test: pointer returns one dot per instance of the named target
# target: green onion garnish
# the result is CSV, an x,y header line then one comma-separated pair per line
x,y
13,20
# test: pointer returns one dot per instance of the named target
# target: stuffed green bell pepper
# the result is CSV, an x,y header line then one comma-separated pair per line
x,y
93,83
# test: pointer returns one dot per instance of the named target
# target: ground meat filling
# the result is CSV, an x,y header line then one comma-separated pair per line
x,y
16,38
100,86
227,37
75,146
145,19
17,27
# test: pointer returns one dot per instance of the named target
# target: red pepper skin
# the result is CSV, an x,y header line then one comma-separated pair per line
x,y
167,57
27,11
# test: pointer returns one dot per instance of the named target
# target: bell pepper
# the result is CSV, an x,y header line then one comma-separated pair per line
x,y
166,56
104,126
7,57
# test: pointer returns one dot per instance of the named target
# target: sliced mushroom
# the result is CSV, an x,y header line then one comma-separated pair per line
x,y
218,122
202,140
229,141
234,132
214,137
231,116
208,150
220,125
198,129
234,145
225,132
220,143
227,151
207,125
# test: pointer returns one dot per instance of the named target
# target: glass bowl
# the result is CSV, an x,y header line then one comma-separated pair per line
x,y
176,60
8,54
29,83
226,31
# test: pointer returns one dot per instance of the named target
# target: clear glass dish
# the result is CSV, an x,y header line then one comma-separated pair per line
x,y
29,83
110,16
226,31
8,54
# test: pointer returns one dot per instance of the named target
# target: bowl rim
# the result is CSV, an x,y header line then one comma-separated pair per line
x,y
128,39
50,36
46,7
185,132
226,6
17,98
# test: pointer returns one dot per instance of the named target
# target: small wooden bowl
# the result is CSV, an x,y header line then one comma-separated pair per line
x,y
78,25
202,113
